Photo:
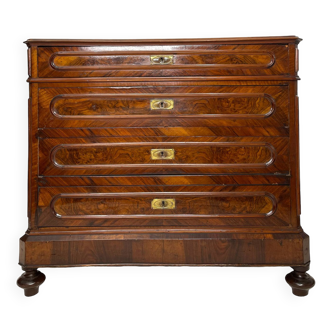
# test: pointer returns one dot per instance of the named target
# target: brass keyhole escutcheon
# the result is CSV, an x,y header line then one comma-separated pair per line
x,y
162,104
161,59
158,154
163,203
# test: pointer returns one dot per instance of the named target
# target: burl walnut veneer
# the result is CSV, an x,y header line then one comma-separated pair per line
x,y
164,152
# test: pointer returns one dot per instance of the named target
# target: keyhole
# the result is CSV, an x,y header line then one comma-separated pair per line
x,y
163,203
161,59
162,104
161,154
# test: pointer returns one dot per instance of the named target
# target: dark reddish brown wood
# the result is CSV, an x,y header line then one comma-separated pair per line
x,y
129,42
183,181
257,204
105,106
165,131
215,59
152,80
82,60
208,106
191,156
29,61
30,281
300,281
33,155
163,249
195,206
224,154
231,194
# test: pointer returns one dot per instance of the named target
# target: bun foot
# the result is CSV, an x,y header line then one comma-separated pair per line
x,y
300,281
30,281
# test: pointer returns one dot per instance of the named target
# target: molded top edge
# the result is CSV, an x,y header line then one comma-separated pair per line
x,y
237,40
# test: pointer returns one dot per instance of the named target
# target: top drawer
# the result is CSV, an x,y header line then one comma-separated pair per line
x,y
140,60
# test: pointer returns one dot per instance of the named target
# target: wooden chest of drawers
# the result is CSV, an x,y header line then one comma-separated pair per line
x,y
164,152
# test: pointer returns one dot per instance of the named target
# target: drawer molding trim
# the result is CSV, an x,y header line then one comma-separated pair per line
x,y
100,199
127,102
157,145
239,59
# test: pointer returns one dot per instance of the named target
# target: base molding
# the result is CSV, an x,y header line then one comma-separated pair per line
x,y
220,249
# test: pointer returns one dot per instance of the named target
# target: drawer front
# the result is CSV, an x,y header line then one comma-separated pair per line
x,y
163,61
236,106
113,156
164,206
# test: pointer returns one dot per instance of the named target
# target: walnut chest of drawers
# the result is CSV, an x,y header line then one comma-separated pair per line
x,y
164,152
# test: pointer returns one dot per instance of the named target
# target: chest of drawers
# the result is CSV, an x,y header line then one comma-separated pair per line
x,y
164,152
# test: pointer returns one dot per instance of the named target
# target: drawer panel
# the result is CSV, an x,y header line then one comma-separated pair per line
x,y
162,106
168,156
163,61
100,155
164,206
96,206
105,61
105,106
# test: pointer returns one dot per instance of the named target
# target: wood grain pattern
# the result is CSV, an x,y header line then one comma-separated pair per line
x,y
29,61
105,106
209,106
196,206
33,153
234,180
165,132
74,156
172,249
189,60
164,180
115,60
173,80
98,206
99,155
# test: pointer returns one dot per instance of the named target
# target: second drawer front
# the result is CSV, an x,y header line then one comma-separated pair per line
x,y
165,106
84,157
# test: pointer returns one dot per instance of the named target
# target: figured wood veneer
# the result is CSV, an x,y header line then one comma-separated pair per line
x,y
105,106
188,60
164,152
79,156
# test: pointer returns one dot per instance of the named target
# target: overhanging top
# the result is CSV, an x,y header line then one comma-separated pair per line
x,y
85,42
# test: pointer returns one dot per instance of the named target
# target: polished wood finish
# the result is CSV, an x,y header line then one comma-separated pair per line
x,y
79,156
77,106
164,152
130,206
130,42
187,60
300,281
198,249
30,281
208,106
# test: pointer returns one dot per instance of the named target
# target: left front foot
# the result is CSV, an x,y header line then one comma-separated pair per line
x,y
30,281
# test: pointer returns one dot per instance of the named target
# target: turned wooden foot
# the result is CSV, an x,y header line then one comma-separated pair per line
x,y
30,281
300,281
